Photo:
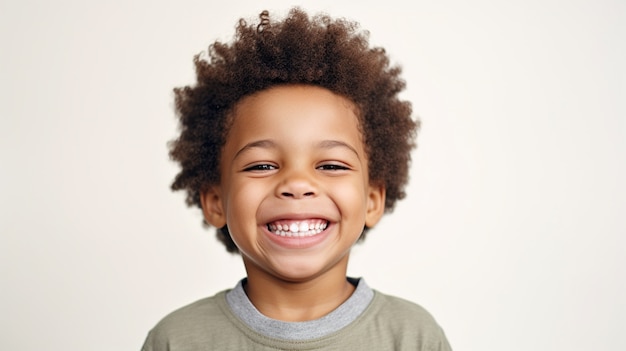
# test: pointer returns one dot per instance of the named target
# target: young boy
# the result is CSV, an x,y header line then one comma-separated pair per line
x,y
294,143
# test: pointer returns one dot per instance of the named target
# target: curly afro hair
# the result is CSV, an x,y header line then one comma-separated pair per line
x,y
319,51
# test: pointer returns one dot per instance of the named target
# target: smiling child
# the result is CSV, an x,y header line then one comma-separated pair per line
x,y
294,143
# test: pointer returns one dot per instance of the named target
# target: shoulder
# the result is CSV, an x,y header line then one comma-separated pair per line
x,y
402,308
196,322
410,322
194,313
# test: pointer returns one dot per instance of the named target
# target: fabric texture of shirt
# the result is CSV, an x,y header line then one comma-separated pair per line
x,y
368,320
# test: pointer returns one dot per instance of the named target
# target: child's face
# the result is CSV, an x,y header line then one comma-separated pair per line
x,y
294,189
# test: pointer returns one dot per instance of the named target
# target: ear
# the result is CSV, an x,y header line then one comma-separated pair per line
x,y
212,207
375,205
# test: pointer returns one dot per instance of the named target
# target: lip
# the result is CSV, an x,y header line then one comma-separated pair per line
x,y
307,227
298,242
296,217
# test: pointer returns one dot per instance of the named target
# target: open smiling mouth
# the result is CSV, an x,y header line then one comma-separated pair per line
x,y
298,228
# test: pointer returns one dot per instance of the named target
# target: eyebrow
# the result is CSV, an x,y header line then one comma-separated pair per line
x,y
329,144
265,144
269,144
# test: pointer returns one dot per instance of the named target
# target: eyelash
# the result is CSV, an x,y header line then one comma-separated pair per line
x,y
268,167
260,167
332,167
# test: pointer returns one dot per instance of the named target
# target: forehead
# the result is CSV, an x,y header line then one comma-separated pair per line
x,y
295,111
289,96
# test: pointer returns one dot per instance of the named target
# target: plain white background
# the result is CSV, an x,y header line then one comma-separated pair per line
x,y
513,233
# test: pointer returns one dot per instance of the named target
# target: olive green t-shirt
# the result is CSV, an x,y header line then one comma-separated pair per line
x,y
368,320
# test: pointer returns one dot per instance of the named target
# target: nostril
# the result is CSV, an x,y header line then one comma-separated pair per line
x,y
288,194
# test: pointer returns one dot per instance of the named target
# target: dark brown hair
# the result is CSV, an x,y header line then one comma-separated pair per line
x,y
320,51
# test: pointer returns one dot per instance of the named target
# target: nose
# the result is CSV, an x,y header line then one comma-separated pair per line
x,y
297,185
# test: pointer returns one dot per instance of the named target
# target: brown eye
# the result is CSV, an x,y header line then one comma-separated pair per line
x,y
332,167
261,168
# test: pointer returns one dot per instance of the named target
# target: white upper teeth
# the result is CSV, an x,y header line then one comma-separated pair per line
x,y
298,229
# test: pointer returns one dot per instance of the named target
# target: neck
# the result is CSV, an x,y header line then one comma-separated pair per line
x,y
296,301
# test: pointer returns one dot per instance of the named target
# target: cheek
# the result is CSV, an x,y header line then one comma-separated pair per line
x,y
350,199
243,202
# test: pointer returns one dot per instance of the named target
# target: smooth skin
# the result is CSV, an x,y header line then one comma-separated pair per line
x,y
294,154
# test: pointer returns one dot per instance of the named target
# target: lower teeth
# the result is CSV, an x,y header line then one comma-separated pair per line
x,y
288,233
298,234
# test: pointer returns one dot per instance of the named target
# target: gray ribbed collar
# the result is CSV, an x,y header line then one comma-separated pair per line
x,y
343,315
